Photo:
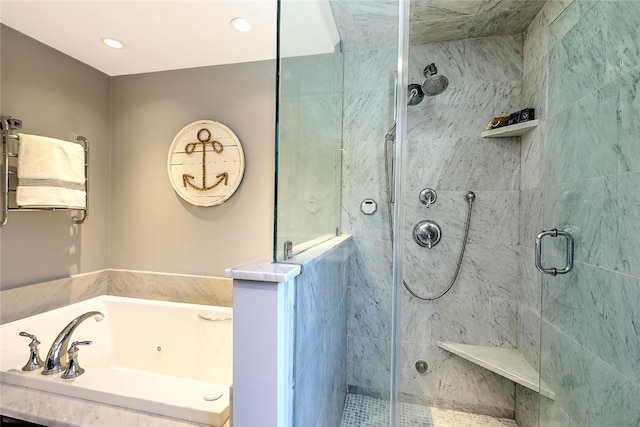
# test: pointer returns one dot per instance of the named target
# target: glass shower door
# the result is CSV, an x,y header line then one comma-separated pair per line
x,y
590,329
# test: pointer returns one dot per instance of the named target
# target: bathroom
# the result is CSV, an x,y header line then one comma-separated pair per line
x,y
564,59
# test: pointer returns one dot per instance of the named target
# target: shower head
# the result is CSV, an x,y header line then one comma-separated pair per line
x,y
433,84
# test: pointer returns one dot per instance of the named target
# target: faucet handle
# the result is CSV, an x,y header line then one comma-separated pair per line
x,y
73,368
34,362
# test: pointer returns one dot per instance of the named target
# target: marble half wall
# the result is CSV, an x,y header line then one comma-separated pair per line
x,y
320,358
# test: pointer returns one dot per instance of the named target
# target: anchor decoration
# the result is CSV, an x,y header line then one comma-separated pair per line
x,y
197,154
217,148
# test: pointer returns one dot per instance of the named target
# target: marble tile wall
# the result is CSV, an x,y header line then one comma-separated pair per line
x,y
31,300
185,288
320,359
446,153
589,350
368,115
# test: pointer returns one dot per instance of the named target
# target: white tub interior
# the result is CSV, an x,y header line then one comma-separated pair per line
x,y
152,356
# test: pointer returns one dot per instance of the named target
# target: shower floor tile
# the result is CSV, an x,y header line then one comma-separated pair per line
x,y
365,411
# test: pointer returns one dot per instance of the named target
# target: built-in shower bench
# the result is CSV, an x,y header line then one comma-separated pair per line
x,y
506,362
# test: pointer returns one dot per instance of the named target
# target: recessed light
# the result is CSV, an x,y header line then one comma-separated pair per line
x,y
241,24
113,43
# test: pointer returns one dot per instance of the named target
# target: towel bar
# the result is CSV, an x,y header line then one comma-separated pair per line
x,y
9,124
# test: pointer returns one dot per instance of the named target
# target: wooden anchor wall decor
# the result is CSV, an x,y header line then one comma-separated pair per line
x,y
205,163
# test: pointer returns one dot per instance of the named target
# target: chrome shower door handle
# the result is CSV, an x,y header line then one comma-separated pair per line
x,y
538,252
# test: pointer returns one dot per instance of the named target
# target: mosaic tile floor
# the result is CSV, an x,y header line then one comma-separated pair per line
x,y
364,411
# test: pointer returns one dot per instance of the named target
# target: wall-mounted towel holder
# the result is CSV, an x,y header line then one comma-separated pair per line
x,y
8,126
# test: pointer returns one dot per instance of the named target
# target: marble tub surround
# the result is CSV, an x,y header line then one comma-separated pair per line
x,y
37,298
53,410
34,299
193,289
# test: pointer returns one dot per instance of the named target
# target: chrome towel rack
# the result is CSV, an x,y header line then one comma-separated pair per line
x,y
8,126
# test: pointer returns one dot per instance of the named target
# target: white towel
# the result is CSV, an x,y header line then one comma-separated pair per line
x,y
50,173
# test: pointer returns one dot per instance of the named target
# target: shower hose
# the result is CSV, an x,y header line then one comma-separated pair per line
x,y
469,198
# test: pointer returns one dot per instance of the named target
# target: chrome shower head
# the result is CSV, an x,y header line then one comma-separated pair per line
x,y
433,84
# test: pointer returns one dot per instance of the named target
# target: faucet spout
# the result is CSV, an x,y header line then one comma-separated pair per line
x,y
58,349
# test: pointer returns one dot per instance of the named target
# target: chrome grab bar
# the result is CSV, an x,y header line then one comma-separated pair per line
x,y
538,252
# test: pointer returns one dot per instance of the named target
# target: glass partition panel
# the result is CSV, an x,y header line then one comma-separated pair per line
x,y
309,134
590,316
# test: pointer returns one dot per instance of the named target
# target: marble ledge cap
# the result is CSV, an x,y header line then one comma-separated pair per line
x,y
263,272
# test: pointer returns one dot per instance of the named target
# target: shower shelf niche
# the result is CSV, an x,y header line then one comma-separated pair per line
x,y
513,130
506,362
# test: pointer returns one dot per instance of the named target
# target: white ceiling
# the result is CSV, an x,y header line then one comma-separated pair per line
x,y
173,34
169,34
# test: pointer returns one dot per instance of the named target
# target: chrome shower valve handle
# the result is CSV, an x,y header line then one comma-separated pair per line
x,y
428,196
427,233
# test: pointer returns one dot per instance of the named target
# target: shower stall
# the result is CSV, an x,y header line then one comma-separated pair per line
x,y
387,138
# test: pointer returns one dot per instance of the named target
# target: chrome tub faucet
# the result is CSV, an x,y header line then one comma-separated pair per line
x,y
53,363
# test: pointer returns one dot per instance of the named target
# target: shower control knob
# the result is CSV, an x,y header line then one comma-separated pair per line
x,y
427,233
428,196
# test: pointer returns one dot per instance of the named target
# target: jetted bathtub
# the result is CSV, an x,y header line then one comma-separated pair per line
x,y
165,358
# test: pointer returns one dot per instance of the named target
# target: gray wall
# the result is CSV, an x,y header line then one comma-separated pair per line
x,y
56,96
152,228
136,221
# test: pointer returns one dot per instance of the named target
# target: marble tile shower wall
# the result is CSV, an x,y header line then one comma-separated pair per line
x,y
368,115
447,154
590,317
